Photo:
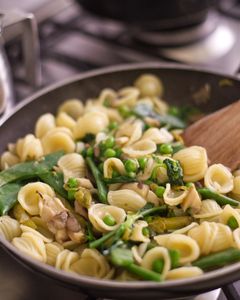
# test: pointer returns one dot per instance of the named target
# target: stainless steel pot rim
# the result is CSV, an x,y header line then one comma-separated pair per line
x,y
210,278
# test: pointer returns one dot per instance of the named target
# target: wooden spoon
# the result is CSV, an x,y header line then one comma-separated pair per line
x,y
219,133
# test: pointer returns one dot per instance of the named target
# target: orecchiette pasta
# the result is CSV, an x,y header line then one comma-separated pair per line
x,y
29,148
45,123
183,272
73,107
9,228
140,148
52,250
112,164
137,232
8,159
64,120
219,179
193,161
158,136
174,197
65,259
72,165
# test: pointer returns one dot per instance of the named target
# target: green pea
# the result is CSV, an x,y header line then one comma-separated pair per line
x,y
159,191
72,182
115,173
100,167
90,152
142,162
109,142
166,149
131,174
118,152
71,194
131,165
145,231
124,111
109,153
175,257
113,125
189,184
158,265
232,223
109,220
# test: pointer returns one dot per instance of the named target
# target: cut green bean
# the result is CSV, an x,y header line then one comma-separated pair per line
x,y
175,257
102,189
220,199
218,259
143,273
119,179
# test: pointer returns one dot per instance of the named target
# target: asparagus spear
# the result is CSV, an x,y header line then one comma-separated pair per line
x,y
8,196
123,258
174,171
30,169
220,199
219,259
119,179
117,233
102,189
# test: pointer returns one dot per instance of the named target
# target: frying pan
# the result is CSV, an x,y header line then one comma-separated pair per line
x,y
183,85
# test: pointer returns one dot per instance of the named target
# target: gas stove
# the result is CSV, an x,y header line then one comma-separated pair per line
x,y
71,41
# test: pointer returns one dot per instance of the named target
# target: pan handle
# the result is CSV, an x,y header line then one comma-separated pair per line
x,y
231,292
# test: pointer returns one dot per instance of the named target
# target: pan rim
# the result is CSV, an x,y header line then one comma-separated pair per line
x,y
209,278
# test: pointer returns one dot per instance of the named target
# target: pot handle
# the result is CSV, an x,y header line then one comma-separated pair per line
x,y
231,292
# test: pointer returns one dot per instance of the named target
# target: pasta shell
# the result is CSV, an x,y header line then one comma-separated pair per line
x,y
140,148
126,199
183,272
8,160
91,123
45,123
29,196
236,188
52,250
209,208
72,107
65,259
29,148
158,136
35,232
219,179
97,212
112,164
127,96
172,197
9,228
132,129
157,253
228,212
188,247
72,165
194,162
64,120
192,200
137,234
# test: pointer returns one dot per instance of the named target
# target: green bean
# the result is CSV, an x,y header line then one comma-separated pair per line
x,y
144,273
119,179
220,199
175,257
55,180
218,259
102,189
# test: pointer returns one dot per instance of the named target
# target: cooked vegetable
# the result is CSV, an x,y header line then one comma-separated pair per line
x,y
102,189
161,224
119,179
31,169
220,199
8,196
174,171
218,259
55,180
175,257
143,110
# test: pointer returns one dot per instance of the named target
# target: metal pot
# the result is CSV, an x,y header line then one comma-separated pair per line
x,y
183,85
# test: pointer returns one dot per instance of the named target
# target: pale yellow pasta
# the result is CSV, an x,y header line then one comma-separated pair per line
x,y
32,245
194,162
142,190
161,106
212,237
131,129
44,123
91,123
236,237
64,120
65,259
126,199
20,214
174,197
30,194
112,164
29,148
72,165
140,148
187,247
227,213
8,160
183,272
219,179
9,228
157,253
192,200
92,263
209,208
139,251
52,251
137,232
59,138
106,95
25,228
112,114
153,198
126,96
97,212
236,187
184,230
73,107
149,85
158,136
